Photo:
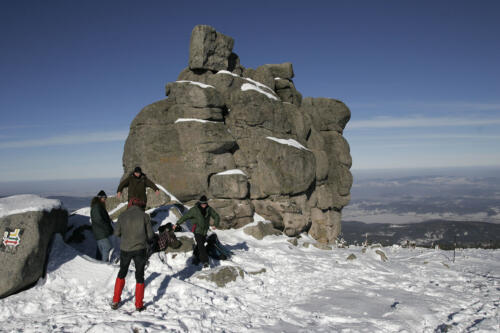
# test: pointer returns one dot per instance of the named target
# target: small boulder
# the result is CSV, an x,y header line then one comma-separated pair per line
x,y
382,255
187,245
352,256
261,230
222,275
260,271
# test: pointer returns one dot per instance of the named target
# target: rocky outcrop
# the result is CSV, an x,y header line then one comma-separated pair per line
x,y
25,242
246,138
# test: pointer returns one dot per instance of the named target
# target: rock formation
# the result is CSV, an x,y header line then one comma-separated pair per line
x,y
247,139
26,238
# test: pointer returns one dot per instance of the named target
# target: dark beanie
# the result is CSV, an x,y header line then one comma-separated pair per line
x,y
203,199
138,169
102,194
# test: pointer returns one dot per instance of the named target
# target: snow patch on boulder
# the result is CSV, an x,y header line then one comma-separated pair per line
x,y
231,172
182,120
199,84
290,142
248,86
23,203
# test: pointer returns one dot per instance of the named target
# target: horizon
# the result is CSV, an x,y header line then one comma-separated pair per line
x,y
395,172
421,79
86,187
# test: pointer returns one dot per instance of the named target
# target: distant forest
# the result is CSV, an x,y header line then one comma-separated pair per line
x,y
445,234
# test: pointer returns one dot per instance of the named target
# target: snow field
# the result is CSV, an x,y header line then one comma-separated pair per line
x,y
303,289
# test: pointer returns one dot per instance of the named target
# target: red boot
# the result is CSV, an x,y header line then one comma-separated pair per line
x,y
139,296
119,284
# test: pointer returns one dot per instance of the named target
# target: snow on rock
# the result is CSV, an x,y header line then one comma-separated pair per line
x,y
199,84
23,203
120,206
228,73
231,172
290,142
260,85
253,85
181,120
249,86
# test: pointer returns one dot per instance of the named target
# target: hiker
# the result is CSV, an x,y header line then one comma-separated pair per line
x,y
200,218
134,228
136,183
101,224
165,238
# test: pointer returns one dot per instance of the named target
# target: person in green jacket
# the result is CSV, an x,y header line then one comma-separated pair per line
x,y
101,224
136,183
200,218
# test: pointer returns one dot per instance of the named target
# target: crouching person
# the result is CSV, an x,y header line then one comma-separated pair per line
x,y
134,228
200,216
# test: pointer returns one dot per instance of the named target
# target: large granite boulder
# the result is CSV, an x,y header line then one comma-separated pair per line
x,y
292,160
284,167
28,223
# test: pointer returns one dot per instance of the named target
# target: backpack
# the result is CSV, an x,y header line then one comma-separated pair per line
x,y
215,249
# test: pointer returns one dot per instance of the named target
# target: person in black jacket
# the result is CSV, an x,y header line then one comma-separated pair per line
x,y
101,224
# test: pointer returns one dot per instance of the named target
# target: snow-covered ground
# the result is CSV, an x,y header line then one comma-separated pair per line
x,y
302,290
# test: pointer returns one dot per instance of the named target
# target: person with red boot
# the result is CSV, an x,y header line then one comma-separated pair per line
x,y
134,228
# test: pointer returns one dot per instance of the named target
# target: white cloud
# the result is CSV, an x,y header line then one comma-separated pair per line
x,y
414,122
390,158
15,127
371,139
67,139
429,106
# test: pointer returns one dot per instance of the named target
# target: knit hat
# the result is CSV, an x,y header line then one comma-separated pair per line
x,y
203,199
102,194
138,169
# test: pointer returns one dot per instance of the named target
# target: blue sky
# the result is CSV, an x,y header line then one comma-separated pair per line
x,y
422,78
